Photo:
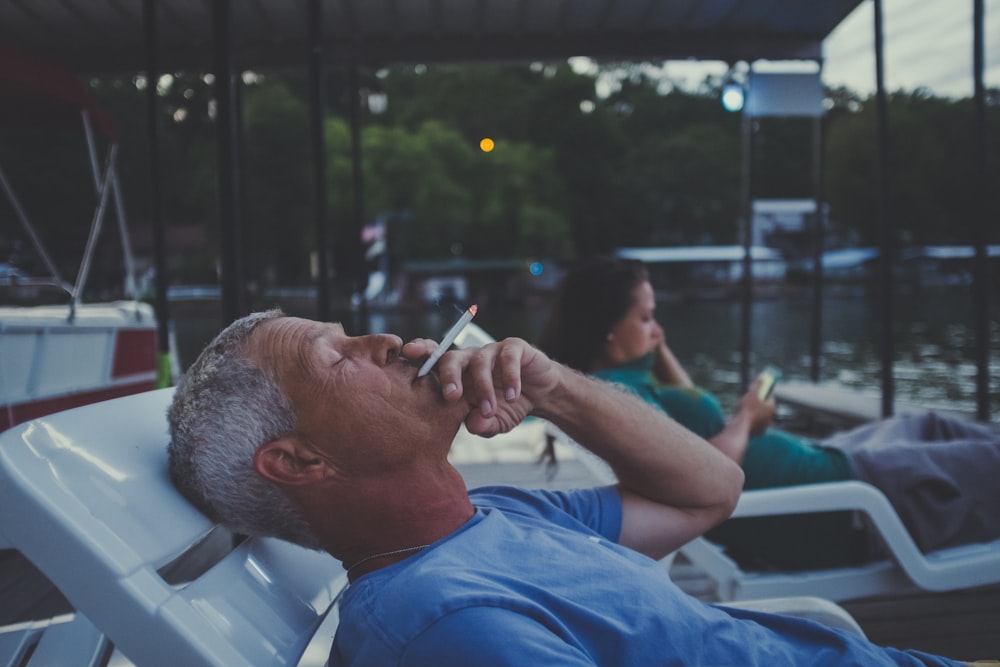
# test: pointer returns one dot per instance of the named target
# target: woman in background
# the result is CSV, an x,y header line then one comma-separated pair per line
x,y
940,474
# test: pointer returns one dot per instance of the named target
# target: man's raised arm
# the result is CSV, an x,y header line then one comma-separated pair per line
x,y
674,485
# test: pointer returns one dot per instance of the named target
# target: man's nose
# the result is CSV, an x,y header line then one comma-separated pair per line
x,y
384,347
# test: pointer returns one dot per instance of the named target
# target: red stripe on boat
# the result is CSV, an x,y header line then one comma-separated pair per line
x,y
135,352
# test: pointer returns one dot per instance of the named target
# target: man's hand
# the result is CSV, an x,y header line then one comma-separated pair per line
x,y
502,382
674,485
759,412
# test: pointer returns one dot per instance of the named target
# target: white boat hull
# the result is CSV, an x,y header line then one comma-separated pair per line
x,y
49,363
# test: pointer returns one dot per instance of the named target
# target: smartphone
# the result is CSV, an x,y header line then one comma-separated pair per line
x,y
770,376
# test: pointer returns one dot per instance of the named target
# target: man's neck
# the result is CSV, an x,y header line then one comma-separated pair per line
x,y
391,512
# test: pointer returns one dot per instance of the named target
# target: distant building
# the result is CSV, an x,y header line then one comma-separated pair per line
x,y
944,265
709,265
785,224
923,265
464,281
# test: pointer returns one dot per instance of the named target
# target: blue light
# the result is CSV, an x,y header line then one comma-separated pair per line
x,y
536,268
732,97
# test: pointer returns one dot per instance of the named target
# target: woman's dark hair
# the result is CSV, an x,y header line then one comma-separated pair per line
x,y
595,294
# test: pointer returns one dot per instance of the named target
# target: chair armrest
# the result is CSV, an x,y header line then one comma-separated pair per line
x,y
947,569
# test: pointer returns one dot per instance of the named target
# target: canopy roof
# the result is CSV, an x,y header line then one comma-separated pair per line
x,y
35,92
97,36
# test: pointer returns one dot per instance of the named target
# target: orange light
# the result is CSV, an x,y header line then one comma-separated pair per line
x,y
486,144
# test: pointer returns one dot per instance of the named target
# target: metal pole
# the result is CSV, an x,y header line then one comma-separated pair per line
x,y
353,254
245,265
819,218
95,230
229,237
747,206
131,290
164,372
317,110
886,239
981,287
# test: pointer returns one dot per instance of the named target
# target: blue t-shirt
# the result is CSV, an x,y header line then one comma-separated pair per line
x,y
536,578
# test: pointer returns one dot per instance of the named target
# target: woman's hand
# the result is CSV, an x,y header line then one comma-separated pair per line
x,y
751,418
667,369
759,411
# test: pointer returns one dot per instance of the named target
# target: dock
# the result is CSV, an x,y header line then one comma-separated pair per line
x,y
515,459
828,406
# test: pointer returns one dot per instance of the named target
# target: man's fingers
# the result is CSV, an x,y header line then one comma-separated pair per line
x,y
509,370
449,369
478,377
418,348
483,376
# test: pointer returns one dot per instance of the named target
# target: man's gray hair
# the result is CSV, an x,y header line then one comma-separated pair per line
x,y
224,408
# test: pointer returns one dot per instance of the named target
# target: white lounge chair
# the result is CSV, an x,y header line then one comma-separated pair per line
x,y
85,495
66,641
906,570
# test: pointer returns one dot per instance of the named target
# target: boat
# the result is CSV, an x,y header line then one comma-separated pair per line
x,y
51,362
65,354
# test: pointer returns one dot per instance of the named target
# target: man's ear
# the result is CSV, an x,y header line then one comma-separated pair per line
x,y
287,462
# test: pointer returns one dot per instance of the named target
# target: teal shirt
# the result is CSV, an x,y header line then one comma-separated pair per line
x,y
773,459
696,409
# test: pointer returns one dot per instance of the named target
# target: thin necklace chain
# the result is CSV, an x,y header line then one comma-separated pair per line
x,y
386,554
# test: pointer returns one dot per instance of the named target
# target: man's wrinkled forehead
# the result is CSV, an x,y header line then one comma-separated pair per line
x,y
290,325
282,339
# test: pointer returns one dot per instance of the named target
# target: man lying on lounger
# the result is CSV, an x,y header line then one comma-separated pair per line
x,y
291,428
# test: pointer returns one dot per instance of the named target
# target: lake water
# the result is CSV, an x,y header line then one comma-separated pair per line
x,y
934,339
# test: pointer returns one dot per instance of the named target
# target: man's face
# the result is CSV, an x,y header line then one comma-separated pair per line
x,y
638,332
356,401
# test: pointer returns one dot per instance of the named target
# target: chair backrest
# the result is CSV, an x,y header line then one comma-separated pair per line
x,y
70,640
85,495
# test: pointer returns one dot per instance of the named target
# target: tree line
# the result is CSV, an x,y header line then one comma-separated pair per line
x,y
571,172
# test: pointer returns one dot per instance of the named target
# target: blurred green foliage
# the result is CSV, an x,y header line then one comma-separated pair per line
x,y
572,171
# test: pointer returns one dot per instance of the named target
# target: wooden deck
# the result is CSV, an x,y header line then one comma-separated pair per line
x,y
964,625
514,459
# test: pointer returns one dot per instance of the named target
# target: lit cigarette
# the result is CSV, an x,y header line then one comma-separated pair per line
x,y
446,342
